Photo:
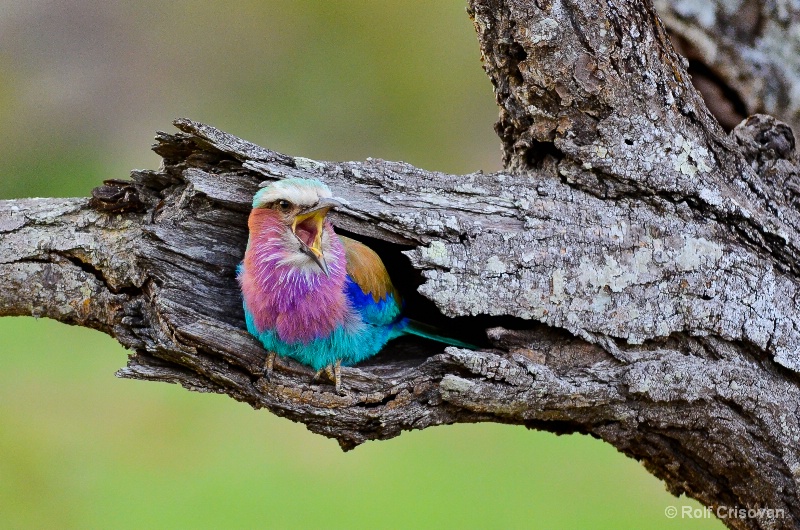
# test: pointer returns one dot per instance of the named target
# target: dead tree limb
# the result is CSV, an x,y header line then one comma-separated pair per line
x,y
636,267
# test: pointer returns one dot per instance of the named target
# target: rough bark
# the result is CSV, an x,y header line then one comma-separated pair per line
x,y
635,268
743,55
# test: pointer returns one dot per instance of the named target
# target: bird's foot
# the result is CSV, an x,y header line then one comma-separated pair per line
x,y
337,377
326,372
269,364
333,372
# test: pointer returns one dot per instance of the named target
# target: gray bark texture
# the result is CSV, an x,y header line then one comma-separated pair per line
x,y
743,54
634,271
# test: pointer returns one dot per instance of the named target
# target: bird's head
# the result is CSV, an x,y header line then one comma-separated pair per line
x,y
296,209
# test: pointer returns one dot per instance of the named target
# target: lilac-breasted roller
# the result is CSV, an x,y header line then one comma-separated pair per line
x,y
310,294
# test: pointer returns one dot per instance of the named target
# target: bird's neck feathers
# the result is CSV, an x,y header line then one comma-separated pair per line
x,y
284,289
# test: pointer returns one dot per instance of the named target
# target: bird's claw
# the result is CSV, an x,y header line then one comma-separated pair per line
x,y
323,371
333,372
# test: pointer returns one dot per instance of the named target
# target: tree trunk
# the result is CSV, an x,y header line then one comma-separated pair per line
x,y
635,268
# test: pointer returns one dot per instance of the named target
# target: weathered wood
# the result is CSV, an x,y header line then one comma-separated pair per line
x,y
742,54
635,269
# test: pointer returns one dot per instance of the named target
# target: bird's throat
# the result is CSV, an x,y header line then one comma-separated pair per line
x,y
283,297
309,231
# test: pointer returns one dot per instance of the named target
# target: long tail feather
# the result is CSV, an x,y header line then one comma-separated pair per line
x,y
419,329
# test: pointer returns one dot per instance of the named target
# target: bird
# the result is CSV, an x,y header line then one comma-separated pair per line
x,y
313,295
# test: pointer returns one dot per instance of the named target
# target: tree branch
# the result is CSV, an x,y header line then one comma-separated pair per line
x,y
635,267
741,55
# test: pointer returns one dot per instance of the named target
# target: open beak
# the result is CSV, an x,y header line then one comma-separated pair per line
x,y
307,228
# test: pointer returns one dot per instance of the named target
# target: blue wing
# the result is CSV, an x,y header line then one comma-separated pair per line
x,y
369,287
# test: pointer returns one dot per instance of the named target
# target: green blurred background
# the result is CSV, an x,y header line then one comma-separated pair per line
x,y
83,87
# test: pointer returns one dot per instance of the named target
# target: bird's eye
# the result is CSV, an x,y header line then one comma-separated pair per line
x,y
283,204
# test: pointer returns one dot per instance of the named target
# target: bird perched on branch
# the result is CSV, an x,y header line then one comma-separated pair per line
x,y
322,299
